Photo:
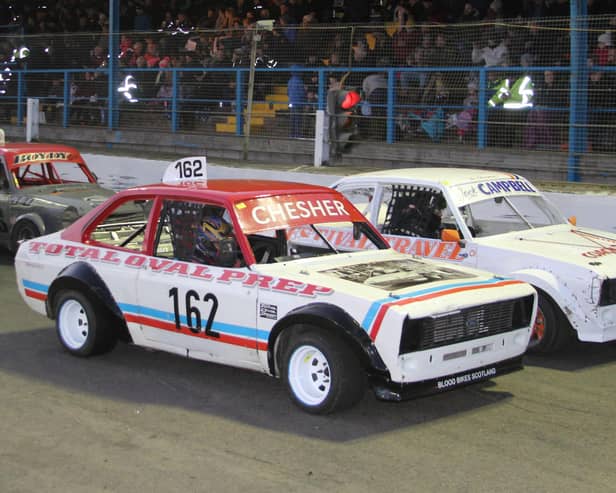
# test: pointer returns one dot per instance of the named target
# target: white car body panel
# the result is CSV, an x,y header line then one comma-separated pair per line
x,y
144,295
567,262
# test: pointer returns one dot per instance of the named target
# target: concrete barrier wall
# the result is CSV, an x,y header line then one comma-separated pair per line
x,y
592,210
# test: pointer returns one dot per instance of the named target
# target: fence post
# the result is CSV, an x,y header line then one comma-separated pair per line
x,y
20,98
66,100
32,119
322,90
482,110
112,73
239,104
321,146
174,100
390,105
578,87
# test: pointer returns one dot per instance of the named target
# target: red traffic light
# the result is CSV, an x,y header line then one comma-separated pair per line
x,y
350,99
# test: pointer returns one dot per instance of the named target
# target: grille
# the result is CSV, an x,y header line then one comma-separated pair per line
x,y
465,325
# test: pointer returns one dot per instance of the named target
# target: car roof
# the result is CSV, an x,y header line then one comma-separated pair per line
x,y
431,176
228,189
16,148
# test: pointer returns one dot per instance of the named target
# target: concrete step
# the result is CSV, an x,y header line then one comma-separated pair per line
x,y
254,121
229,126
277,98
280,90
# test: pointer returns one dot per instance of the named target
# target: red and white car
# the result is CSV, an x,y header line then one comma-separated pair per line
x,y
500,222
245,273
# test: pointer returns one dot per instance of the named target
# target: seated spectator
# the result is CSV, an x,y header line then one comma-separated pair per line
x,y
602,103
492,54
464,121
404,41
412,84
151,55
469,14
143,19
600,53
85,106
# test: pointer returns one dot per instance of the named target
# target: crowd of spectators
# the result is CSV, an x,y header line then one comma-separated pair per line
x,y
158,34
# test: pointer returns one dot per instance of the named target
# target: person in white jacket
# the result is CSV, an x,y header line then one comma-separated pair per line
x,y
491,55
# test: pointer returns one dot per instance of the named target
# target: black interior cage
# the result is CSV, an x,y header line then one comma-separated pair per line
x,y
413,211
182,218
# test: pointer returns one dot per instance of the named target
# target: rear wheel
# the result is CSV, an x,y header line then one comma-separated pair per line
x,y
551,331
321,373
23,230
82,326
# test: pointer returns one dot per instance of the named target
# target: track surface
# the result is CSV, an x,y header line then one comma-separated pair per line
x,y
137,420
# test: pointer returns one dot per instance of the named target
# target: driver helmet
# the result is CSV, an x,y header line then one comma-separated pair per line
x,y
211,230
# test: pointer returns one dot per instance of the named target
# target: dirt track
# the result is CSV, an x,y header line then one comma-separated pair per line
x,y
136,420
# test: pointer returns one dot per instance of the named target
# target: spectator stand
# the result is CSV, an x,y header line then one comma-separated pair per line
x,y
429,83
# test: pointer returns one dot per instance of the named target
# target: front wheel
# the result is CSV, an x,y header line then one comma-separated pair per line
x,y
321,373
82,326
551,331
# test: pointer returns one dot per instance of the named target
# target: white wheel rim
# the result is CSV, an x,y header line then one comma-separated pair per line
x,y
73,324
309,375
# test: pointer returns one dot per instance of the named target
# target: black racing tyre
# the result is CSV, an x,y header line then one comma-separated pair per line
x,y
551,331
321,373
82,326
22,231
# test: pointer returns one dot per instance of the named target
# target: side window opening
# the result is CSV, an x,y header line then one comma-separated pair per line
x,y
125,226
361,198
414,211
197,232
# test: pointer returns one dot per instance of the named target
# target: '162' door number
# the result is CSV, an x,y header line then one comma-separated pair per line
x,y
194,320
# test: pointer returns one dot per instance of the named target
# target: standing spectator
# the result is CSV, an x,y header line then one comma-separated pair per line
x,y
374,105
550,101
296,90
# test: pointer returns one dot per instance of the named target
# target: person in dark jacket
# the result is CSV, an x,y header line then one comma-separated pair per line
x,y
296,90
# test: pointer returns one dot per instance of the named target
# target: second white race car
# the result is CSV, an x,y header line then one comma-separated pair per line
x,y
502,223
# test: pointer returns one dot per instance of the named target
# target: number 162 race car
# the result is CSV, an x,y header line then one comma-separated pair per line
x,y
245,273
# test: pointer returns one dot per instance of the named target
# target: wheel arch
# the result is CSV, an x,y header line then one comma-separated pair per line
x,y
36,219
329,317
83,277
30,217
547,284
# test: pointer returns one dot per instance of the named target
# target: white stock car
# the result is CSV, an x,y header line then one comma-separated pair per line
x,y
502,223
211,270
